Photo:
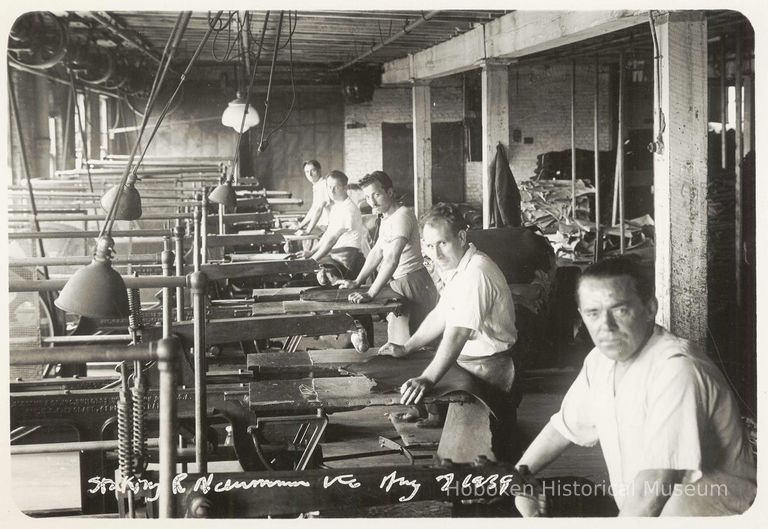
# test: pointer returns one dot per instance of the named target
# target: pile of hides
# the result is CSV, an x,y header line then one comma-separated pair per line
x,y
556,165
547,203
575,242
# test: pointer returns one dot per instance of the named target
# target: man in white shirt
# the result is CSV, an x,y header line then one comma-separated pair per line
x,y
475,317
667,423
317,216
397,255
344,242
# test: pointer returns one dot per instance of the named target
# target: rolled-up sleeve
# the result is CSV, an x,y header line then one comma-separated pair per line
x,y
672,434
574,419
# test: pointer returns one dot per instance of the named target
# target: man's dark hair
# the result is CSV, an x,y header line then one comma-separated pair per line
x,y
377,176
447,213
618,267
338,175
313,163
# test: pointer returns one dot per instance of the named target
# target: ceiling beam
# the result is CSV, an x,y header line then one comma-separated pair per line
x,y
126,35
513,35
403,32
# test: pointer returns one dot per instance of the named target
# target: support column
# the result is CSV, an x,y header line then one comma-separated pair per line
x,y
749,116
680,175
422,147
103,127
42,138
495,108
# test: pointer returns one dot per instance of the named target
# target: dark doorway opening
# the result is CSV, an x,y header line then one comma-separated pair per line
x,y
447,160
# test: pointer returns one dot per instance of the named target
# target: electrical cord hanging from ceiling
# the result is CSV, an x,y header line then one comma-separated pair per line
x,y
161,66
264,143
222,25
291,28
231,43
168,103
255,67
657,146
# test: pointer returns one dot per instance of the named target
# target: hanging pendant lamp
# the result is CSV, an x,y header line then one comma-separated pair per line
x,y
96,291
233,114
129,207
224,194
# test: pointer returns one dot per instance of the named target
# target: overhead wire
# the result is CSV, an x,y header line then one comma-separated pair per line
x,y
262,146
255,67
265,141
168,103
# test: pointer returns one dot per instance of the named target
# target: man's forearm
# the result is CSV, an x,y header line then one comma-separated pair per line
x,y
305,220
325,245
544,449
448,351
371,262
429,330
314,218
650,491
385,274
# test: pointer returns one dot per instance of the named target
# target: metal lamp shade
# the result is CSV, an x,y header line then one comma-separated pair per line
x,y
129,207
96,291
224,194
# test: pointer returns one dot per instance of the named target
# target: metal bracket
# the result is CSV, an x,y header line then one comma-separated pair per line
x,y
310,429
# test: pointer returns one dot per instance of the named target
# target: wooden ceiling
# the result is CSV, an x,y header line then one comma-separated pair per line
x,y
316,44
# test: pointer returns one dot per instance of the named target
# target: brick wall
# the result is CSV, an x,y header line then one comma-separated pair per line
x,y
473,183
362,145
539,102
314,130
540,107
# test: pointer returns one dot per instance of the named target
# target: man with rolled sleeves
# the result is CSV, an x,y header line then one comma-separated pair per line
x,y
475,316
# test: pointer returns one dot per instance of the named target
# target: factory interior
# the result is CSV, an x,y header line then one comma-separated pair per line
x,y
179,348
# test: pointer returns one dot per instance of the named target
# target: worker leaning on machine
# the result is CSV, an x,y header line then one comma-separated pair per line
x,y
668,424
397,254
317,216
342,248
474,318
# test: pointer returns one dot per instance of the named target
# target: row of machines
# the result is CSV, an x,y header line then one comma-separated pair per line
x,y
254,359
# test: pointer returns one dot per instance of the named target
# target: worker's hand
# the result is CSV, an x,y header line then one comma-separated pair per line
x,y
413,390
527,506
346,283
299,232
302,254
392,349
360,297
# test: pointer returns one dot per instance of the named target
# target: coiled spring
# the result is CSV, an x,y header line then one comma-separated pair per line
x,y
135,317
124,433
139,421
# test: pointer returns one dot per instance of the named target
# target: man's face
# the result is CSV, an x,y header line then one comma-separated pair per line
x,y
617,319
379,199
443,247
336,190
311,173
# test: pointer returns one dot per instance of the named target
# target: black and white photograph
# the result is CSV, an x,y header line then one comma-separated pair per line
x,y
354,260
